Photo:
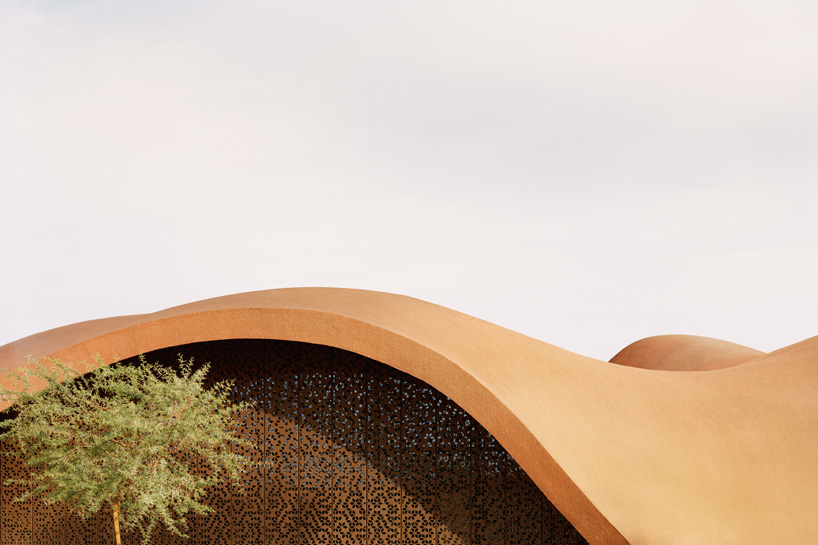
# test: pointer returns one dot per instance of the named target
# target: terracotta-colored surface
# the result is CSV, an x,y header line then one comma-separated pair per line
x,y
630,453
684,353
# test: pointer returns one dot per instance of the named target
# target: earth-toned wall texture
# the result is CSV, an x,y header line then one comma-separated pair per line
x,y
350,451
385,419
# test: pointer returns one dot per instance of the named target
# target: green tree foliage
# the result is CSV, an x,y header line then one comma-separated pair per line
x,y
123,437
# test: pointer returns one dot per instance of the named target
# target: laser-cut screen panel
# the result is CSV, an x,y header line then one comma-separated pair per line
x,y
350,452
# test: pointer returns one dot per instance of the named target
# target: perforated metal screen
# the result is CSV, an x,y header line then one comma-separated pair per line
x,y
353,452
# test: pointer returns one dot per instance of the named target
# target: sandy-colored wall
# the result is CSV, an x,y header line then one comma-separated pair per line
x,y
629,452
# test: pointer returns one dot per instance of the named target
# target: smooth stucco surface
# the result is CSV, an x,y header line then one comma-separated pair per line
x,y
720,449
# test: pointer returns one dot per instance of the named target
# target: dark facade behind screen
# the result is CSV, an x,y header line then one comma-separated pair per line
x,y
351,452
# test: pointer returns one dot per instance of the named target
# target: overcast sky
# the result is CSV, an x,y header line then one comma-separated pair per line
x,y
586,172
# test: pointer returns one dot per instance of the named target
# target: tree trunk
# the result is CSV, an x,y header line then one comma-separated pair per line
x,y
116,523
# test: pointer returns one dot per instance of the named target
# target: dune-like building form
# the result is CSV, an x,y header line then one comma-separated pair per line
x,y
383,419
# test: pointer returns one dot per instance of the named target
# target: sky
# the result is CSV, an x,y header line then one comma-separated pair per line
x,y
588,173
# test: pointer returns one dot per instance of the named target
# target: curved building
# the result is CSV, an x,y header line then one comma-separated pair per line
x,y
385,419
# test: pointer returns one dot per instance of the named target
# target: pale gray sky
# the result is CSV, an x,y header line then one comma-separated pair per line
x,y
588,172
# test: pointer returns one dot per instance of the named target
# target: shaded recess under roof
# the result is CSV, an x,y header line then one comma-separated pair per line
x,y
681,440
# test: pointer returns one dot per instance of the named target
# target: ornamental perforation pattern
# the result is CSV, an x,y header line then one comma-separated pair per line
x,y
16,525
418,471
346,451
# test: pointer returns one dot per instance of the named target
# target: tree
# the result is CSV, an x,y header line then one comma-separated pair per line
x,y
123,436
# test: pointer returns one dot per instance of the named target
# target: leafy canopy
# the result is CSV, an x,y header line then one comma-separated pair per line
x,y
124,436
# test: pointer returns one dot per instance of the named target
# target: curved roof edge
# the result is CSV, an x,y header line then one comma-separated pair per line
x,y
639,453
684,353
402,332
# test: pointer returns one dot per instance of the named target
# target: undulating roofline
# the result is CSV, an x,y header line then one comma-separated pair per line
x,y
639,451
